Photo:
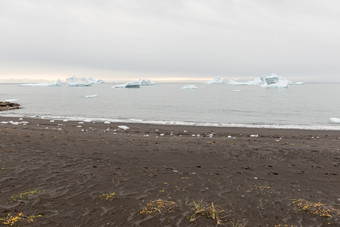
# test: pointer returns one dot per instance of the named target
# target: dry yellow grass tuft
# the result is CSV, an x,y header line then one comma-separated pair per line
x,y
159,205
316,208
201,209
107,196
10,220
24,195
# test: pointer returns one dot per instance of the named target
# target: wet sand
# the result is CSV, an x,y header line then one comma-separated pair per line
x,y
96,174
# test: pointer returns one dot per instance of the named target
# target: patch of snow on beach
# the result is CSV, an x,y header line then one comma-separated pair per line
x,y
123,127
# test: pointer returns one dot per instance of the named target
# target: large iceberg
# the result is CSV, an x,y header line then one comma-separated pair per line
x,y
334,120
135,84
216,80
271,81
189,87
145,82
55,84
82,82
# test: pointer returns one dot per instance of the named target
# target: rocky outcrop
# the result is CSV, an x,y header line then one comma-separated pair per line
x,y
9,106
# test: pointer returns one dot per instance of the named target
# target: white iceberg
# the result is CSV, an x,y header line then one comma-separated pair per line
x,y
271,81
91,96
78,82
191,86
55,84
11,100
334,120
82,82
134,84
145,82
216,80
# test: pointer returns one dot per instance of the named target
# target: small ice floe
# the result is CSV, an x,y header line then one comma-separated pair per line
x,y
59,129
107,122
65,120
20,119
162,134
254,135
52,121
146,135
189,86
91,96
229,137
87,120
123,127
80,122
334,120
108,129
11,100
79,126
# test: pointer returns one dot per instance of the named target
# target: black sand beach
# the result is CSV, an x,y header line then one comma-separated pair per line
x,y
95,174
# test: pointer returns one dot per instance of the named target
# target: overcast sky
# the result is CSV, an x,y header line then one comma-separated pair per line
x,y
115,39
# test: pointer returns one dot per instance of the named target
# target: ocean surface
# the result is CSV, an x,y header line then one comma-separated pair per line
x,y
308,106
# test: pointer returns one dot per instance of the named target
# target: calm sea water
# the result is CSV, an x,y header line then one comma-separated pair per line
x,y
307,106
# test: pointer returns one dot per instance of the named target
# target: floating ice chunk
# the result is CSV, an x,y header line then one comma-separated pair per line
x,y
11,100
55,84
255,136
216,80
191,86
93,81
91,96
123,127
334,120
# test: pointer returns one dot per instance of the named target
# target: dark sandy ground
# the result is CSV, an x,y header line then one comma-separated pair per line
x,y
95,174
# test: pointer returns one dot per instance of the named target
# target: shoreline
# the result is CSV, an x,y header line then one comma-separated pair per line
x,y
330,127
84,174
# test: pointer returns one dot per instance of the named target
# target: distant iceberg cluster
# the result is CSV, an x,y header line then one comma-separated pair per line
x,y
55,84
216,80
71,81
135,84
271,81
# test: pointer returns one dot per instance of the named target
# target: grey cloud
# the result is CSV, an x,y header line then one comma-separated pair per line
x,y
242,38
